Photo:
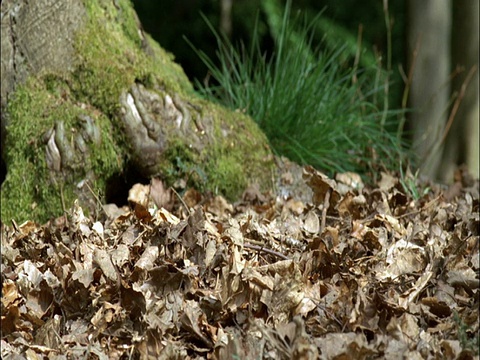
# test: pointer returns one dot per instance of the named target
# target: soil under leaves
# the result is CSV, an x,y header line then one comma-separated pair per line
x,y
348,272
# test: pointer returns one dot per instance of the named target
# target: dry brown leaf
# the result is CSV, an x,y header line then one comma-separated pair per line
x,y
321,184
311,224
103,260
148,258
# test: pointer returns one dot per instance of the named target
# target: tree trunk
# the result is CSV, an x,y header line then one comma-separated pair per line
x,y
87,97
429,55
462,146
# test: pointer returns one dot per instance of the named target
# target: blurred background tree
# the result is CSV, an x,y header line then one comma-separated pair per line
x,y
443,83
443,134
462,141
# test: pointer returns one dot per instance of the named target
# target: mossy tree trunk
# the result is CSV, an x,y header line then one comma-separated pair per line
x,y
86,94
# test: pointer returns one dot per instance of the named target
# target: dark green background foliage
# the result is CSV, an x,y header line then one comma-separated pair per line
x,y
168,21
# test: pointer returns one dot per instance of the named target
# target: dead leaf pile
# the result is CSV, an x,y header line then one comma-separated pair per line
x,y
356,273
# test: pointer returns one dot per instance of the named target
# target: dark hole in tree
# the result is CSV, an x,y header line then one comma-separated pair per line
x,y
119,184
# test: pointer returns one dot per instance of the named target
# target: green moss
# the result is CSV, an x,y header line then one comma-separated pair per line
x,y
239,158
113,56
33,109
229,177
31,190
179,162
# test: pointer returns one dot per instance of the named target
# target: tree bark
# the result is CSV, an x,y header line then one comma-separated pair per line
x,y
462,146
429,54
85,94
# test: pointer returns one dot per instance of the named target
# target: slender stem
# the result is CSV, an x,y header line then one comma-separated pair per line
x,y
389,62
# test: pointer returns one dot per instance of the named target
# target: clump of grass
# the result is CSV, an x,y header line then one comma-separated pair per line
x,y
314,106
411,184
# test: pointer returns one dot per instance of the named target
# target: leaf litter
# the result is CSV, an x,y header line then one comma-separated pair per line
x,y
331,270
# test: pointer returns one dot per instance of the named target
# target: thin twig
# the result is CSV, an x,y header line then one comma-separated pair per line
x,y
266,250
426,206
99,202
181,200
388,25
408,85
326,205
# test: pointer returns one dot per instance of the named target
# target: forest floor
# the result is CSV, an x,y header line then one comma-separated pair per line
x,y
347,272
